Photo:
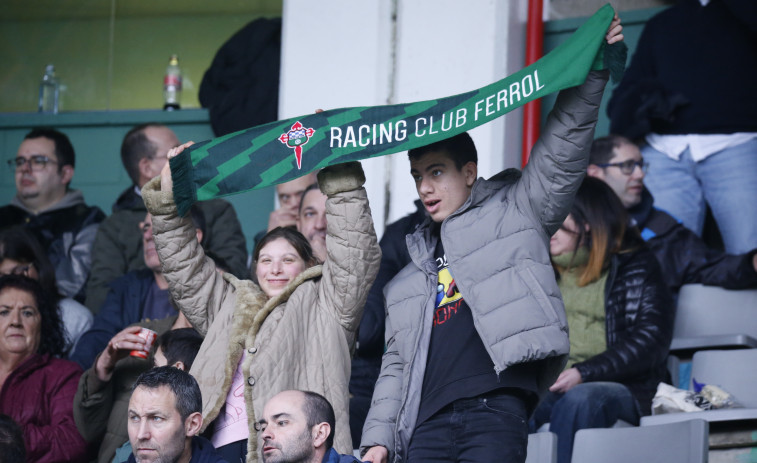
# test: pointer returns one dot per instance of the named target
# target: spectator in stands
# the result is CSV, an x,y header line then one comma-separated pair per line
x,y
686,93
683,256
366,362
299,316
173,397
36,386
102,398
46,206
12,449
289,195
620,316
139,295
118,250
298,426
481,277
311,220
21,254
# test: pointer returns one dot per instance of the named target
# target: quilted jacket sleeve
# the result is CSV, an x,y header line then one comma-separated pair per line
x,y
386,402
560,156
197,288
224,236
353,253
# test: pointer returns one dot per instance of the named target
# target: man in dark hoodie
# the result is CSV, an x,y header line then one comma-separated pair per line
x,y
118,248
46,206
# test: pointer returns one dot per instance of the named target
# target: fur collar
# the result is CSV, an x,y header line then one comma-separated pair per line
x,y
251,308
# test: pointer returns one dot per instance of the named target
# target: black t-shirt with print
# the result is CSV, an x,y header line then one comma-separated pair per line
x,y
458,364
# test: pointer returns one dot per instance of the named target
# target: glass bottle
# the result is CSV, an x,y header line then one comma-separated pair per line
x,y
172,85
49,91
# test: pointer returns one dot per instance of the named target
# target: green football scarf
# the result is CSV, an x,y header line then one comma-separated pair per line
x,y
284,150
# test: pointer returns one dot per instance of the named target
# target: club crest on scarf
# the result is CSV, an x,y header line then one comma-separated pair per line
x,y
297,136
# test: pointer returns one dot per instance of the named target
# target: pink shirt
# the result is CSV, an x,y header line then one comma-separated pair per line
x,y
231,424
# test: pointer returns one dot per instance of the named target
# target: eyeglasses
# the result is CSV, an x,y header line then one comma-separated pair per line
x,y
37,162
144,227
627,167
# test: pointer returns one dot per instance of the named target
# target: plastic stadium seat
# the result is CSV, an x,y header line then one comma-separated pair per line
x,y
683,442
733,370
710,317
542,448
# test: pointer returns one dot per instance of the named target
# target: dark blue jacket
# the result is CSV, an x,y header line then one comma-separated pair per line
x,y
123,307
202,452
333,457
684,257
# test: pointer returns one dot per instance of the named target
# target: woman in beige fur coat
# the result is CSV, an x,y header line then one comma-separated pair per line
x,y
296,330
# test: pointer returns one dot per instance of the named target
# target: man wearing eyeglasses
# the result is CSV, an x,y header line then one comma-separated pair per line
x,y
683,256
46,205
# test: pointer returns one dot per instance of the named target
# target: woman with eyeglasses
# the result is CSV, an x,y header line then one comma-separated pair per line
x,y
21,254
620,316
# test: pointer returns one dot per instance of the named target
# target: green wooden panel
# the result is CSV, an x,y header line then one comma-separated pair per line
x,y
97,136
555,32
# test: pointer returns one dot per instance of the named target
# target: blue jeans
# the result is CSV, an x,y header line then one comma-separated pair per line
x,y
726,180
587,405
490,427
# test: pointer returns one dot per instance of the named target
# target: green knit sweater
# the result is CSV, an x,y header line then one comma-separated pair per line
x,y
584,306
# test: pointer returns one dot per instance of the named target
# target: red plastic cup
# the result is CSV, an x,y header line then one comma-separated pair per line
x,y
149,337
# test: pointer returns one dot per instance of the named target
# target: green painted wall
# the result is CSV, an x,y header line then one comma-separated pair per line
x,y
111,72
80,51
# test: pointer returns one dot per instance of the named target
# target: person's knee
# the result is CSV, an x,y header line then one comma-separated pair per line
x,y
589,397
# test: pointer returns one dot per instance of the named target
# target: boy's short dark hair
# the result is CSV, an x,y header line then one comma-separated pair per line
x,y
603,149
180,345
459,148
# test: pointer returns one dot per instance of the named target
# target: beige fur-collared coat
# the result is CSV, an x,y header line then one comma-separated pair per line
x,y
301,339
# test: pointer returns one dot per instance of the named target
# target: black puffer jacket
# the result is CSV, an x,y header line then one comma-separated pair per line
x,y
684,257
639,314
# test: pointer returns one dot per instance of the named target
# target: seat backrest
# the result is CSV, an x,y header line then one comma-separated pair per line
x,y
682,442
733,370
542,448
711,310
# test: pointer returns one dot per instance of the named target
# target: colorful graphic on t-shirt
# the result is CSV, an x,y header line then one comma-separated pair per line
x,y
446,290
448,298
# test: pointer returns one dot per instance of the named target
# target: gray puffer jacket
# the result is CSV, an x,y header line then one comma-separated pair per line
x,y
497,246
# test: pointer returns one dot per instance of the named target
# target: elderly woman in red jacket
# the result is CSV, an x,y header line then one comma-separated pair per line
x,y
37,388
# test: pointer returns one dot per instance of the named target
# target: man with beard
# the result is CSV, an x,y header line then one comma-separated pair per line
x,y
165,419
298,427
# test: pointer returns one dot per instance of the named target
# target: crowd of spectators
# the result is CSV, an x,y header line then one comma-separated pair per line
x,y
446,340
